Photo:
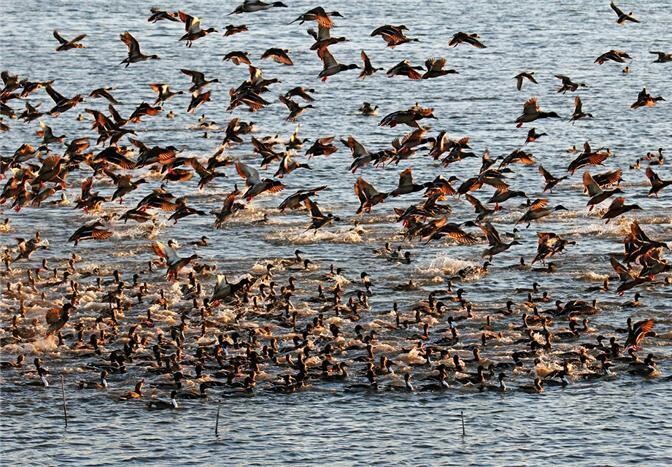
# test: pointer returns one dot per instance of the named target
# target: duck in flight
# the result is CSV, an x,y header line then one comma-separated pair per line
x,y
622,16
192,26
69,44
251,6
330,66
532,112
134,54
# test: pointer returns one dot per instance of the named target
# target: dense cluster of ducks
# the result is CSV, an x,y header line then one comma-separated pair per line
x,y
167,328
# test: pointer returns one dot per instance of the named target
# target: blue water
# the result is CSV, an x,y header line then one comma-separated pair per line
x,y
606,422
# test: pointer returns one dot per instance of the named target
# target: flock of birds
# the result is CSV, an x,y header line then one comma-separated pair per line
x,y
163,327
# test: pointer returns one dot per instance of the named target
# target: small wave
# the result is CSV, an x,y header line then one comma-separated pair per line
x,y
444,265
303,237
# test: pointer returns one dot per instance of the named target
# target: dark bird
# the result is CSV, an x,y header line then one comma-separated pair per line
x,y
663,57
435,68
192,26
613,55
464,38
134,54
525,75
94,230
578,111
617,208
644,99
68,44
537,210
657,183
368,196
368,69
637,332
278,56
318,219
568,84
597,195
198,79
330,66
623,17
175,263
532,112
57,318
251,6
319,15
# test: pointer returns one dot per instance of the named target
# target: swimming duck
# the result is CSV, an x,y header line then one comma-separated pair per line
x,y
100,384
164,404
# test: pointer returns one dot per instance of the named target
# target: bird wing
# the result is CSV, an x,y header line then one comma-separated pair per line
x,y
406,178
130,42
196,76
538,204
365,59
531,106
653,177
59,38
313,208
327,59
618,11
165,252
617,203
435,64
591,185
291,105
55,96
52,315
546,174
577,105
491,234
474,202
250,174
638,233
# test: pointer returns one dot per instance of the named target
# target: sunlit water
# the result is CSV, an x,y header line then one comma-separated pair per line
x,y
623,420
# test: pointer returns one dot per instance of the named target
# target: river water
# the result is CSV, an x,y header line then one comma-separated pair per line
x,y
612,421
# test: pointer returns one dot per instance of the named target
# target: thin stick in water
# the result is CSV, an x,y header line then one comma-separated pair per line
x,y
462,417
217,421
65,409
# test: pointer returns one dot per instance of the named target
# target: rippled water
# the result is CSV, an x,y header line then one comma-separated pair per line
x,y
624,420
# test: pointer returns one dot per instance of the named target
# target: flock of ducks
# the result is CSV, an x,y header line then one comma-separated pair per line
x,y
167,328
